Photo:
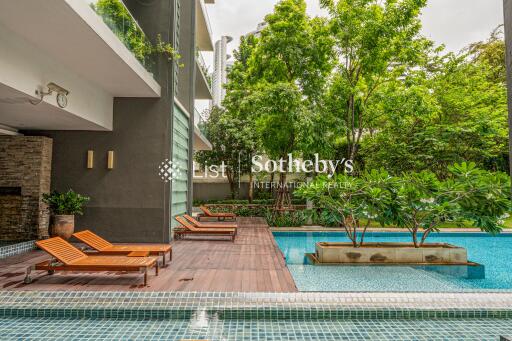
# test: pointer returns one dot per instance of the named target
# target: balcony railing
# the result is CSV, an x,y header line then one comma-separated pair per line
x,y
120,21
199,121
202,65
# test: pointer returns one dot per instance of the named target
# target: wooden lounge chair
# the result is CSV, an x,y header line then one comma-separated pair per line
x,y
69,258
208,225
104,247
187,229
219,216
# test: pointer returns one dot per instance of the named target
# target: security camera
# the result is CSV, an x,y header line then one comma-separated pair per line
x,y
58,89
62,100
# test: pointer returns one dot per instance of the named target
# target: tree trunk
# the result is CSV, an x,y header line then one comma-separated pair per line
x,y
283,195
415,237
231,181
251,188
272,178
424,237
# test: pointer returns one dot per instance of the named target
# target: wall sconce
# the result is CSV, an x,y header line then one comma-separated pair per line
x,y
90,159
110,160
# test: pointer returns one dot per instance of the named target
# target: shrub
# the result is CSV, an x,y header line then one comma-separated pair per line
x,y
68,203
286,219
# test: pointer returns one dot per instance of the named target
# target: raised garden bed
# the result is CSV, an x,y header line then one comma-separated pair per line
x,y
390,253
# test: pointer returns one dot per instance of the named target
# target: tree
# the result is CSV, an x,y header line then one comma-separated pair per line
x,y
286,72
230,140
279,128
375,42
359,201
454,109
239,104
421,202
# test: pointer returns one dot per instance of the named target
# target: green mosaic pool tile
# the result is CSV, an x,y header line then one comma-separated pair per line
x,y
304,314
216,330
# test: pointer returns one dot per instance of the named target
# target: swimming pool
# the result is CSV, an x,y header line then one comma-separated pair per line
x,y
494,252
253,316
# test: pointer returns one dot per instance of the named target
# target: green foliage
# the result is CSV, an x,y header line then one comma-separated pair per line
x,y
233,140
418,201
323,217
286,219
241,210
295,201
353,200
422,202
375,42
283,126
452,110
68,203
278,79
120,21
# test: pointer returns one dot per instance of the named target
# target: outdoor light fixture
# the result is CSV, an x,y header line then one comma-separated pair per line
x,y
62,100
90,159
110,160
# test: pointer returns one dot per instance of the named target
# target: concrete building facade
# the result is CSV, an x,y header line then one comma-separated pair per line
x,y
67,74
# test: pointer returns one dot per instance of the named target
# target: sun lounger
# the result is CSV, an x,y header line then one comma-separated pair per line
x,y
69,258
102,246
219,216
208,225
187,229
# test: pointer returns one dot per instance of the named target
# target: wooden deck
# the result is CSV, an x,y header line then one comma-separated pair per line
x,y
252,263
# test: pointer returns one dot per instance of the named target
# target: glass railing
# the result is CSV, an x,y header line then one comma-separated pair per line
x,y
199,121
120,21
202,65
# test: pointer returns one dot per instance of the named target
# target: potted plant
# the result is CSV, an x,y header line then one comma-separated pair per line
x,y
64,207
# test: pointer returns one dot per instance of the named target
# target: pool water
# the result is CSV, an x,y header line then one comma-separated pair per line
x,y
225,330
494,252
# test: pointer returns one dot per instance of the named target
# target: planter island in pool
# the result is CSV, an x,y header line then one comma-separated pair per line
x,y
389,253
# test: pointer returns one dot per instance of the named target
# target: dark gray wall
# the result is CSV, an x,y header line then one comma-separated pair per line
x,y
507,9
129,203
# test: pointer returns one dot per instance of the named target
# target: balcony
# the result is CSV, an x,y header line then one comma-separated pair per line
x,y
203,79
71,34
122,23
200,141
203,28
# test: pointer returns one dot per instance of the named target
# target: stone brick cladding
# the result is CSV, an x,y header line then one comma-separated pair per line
x,y
25,175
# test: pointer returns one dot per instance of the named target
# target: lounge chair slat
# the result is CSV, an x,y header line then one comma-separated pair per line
x,y
198,224
189,229
93,240
210,214
62,250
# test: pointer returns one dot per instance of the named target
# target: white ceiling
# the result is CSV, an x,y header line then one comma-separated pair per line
x,y
17,112
72,33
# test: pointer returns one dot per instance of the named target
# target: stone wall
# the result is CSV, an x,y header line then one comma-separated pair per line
x,y
25,167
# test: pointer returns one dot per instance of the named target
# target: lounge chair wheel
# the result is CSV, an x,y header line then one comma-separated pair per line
x,y
27,280
51,272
